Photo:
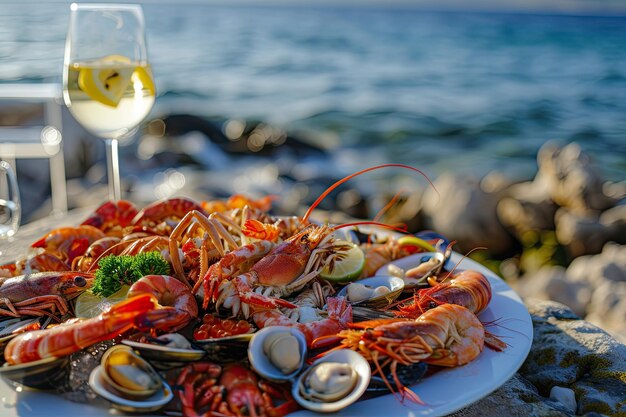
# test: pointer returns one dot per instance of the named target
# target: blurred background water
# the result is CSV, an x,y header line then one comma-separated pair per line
x,y
464,91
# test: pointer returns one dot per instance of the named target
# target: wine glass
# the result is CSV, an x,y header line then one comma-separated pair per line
x,y
10,209
107,81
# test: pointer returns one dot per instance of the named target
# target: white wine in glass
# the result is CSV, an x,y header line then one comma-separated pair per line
x,y
107,81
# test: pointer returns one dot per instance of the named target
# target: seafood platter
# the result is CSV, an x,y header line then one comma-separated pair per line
x,y
219,308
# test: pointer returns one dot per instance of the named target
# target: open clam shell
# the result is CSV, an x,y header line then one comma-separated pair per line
x,y
264,365
43,374
128,375
342,356
226,349
152,403
395,286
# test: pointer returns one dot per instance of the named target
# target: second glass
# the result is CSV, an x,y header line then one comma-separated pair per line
x,y
107,81
10,209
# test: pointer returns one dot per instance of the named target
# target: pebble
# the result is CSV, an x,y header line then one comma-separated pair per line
x,y
565,396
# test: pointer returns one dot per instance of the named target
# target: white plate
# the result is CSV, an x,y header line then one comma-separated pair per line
x,y
443,393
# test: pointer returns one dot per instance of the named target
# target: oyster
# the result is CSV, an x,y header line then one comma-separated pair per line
x,y
332,382
376,292
277,352
129,375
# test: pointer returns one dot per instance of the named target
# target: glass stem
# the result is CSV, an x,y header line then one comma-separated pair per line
x,y
113,170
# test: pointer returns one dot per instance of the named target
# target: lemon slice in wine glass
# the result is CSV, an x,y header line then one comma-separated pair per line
x,y
106,79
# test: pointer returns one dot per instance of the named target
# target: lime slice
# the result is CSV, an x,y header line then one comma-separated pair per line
x,y
348,267
106,79
89,305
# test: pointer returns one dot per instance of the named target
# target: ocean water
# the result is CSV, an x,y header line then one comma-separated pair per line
x,y
470,92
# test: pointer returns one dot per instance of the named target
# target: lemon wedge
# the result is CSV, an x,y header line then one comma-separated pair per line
x,y
141,75
89,305
106,79
346,268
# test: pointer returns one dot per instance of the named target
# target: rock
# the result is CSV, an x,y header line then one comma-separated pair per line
x,y
605,274
608,308
573,180
528,206
581,234
570,352
565,396
517,398
614,219
552,283
463,211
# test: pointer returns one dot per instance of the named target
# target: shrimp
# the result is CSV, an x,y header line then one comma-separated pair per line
x,y
89,260
177,305
448,335
66,339
69,242
469,289
112,216
173,208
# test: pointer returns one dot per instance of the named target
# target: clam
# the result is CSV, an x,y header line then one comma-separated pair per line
x,y
42,374
375,292
230,348
128,375
152,403
277,353
332,382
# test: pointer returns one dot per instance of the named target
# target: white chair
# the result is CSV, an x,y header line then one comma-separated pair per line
x,y
38,141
